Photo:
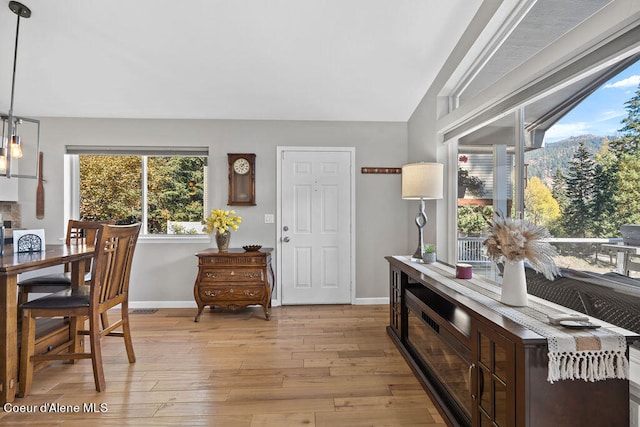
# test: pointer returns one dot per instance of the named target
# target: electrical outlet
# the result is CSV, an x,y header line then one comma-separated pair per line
x,y
268,218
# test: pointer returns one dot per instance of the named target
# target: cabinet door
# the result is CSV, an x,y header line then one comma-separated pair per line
x,y
494,359
395,299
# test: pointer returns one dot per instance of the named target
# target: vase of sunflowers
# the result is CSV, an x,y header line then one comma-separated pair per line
x,y
221,223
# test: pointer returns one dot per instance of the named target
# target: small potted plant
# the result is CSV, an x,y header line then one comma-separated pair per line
x,y
473,184
470,183
429,256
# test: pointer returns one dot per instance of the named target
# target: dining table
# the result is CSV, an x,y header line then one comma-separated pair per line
x,y
14,263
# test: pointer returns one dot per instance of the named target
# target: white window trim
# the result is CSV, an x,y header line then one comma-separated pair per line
x,y
72,187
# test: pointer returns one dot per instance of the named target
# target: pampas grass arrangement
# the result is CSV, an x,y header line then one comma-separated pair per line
x,y
519,239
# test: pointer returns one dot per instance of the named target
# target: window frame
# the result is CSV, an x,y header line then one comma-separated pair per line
x,y
72,184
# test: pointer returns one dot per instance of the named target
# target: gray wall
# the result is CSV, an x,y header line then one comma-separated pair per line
x,y
163,273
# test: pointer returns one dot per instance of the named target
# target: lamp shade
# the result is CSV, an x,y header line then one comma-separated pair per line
x,y
422,181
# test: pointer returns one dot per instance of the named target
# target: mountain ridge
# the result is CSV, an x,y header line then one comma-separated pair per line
x,y
544,162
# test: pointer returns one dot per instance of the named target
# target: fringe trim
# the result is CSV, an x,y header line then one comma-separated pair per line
x,y
588,366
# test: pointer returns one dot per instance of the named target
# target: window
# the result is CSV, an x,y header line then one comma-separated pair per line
x,y
580,186
165,190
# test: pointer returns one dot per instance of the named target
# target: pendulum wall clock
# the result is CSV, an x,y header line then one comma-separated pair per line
x,y
242,179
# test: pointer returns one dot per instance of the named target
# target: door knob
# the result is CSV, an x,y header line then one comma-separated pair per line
x,y
285,239
285,228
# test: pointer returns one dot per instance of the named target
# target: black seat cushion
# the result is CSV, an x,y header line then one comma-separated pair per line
x,y
51,279
69,298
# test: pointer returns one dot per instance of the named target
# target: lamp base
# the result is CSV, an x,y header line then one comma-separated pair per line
x,y
417,257
421,221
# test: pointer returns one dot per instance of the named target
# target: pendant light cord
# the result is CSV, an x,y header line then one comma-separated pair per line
x,y
15,60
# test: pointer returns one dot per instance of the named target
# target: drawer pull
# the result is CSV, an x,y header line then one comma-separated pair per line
x,y
250,293
472,382
233,273
251,275
211,293
214,275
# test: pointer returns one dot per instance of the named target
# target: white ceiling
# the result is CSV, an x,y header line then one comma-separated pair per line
x,y
362,60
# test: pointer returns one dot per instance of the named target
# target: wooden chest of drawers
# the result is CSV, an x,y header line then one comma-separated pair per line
x,y
234,279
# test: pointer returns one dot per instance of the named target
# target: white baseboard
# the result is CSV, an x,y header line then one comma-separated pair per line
x,y
372,301
274,303
162,304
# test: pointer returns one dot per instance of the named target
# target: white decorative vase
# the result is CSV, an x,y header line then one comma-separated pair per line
x,y
514,284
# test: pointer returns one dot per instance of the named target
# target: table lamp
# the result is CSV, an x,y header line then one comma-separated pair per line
x,y
422,181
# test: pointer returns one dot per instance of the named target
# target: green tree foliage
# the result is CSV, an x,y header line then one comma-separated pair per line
x,y
629,142
596,196
577,219
603,207
627,198
557,155
111,187
472,220
175,191
559,191
541,207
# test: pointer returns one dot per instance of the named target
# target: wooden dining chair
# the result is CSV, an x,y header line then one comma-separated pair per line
x,y
78,232
108,288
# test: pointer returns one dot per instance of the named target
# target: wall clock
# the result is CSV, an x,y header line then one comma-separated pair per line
x,y
242,179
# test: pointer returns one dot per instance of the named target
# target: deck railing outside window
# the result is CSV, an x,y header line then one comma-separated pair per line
x,y
576,253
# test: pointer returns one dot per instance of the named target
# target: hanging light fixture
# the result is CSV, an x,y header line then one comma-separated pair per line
x,y
3,150
11,148
16,146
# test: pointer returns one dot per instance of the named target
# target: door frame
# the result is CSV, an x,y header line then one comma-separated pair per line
x,y
352,206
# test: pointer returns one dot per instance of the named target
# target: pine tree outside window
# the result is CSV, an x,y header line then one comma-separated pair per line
x,y
164,191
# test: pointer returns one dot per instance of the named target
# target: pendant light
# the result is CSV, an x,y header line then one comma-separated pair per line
x,y
11,148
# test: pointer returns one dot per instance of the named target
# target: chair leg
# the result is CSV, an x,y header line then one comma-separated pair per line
x,y
22,298
96,353
23,295
26,351
126,332
76,324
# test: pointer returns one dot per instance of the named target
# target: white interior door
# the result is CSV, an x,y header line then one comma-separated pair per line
x,y
315,234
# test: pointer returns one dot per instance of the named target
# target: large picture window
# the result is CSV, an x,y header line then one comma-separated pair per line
x,y
163,190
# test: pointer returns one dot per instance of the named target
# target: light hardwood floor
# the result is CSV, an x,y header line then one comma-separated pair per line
x,y
309,366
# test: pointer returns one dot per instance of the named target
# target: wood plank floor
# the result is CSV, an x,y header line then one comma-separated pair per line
x,y
322,366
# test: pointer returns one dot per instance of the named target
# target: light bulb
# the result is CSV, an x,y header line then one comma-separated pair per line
x,y
16,147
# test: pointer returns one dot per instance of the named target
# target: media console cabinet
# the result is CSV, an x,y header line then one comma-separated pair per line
x,y
483,369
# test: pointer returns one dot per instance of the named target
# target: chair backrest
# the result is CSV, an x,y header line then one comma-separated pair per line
x,y
83,232
112,265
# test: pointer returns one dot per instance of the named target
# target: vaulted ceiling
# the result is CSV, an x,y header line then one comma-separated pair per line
x,y
369,60
356,60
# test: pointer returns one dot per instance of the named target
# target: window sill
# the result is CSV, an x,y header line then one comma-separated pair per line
x,y
178,239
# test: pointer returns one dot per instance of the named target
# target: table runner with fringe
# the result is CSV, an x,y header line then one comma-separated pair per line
x,y
586,354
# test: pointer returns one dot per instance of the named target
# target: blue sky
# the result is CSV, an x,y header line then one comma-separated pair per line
x,y
601,113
